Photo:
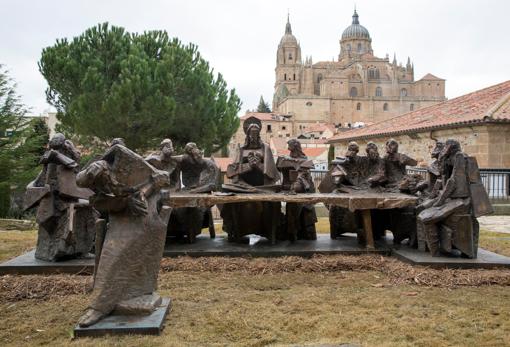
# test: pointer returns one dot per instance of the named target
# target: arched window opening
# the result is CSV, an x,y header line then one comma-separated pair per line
x,y
290,56
319,78
354,92
284,76
359,47
403,92
358,106
294,77
411,107
348,48
373,74
378,91
385,106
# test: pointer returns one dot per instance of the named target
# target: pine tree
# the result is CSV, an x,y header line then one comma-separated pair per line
x,y
109,83
263,106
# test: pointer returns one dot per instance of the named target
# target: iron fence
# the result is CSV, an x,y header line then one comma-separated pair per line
x,y
495,181
317,176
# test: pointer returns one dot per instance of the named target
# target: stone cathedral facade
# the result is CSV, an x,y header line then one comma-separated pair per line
x,y
358,87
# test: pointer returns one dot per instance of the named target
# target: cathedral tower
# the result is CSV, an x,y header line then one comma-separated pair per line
x,y
288,65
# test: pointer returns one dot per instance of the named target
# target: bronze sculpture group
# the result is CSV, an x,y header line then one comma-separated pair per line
x,y
118,206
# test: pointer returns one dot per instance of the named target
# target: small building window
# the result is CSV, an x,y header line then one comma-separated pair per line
x,y
378,91
385,106
353,92
319,78
283,127
359,47
284,76
290,56
294,77
349,48
411,107
309,103
269,128
403,92
358,106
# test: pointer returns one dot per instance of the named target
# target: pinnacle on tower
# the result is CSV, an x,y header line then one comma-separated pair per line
x,y
288,29
394,58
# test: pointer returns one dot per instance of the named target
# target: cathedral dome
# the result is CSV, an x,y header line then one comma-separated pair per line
x,y
355,30
288,39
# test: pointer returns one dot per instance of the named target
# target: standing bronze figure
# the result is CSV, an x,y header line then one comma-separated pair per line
x,y
66,221
129,190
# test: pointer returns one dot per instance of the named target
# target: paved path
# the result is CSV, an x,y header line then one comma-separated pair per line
x,y
500,224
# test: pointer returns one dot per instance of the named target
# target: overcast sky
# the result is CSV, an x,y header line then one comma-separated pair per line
x,y
465,42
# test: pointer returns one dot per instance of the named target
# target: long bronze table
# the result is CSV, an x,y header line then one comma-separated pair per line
x,y
363,201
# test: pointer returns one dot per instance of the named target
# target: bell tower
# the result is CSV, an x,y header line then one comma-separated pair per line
x,y
288,66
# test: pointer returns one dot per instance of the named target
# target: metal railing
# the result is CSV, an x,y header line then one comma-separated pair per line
x,y
495,181
317,176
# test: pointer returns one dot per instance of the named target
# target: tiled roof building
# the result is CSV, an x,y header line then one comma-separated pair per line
x,y
479,120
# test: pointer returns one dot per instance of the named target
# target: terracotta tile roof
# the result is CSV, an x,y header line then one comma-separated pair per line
x,y
222,163
430,76
311,153
321,127
487,105
279,143
263,116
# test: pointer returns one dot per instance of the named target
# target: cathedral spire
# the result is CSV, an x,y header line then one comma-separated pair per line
x,y
288,29
394,58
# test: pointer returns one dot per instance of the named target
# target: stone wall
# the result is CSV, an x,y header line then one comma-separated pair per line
x,y
489,143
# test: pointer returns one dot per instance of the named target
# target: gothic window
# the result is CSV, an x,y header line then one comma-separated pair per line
x,y
385,106
359,47
358,106
319,78
378,91
403,92
373,74
354,92
411,107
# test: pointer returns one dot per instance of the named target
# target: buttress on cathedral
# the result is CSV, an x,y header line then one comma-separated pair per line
x,y
358,87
